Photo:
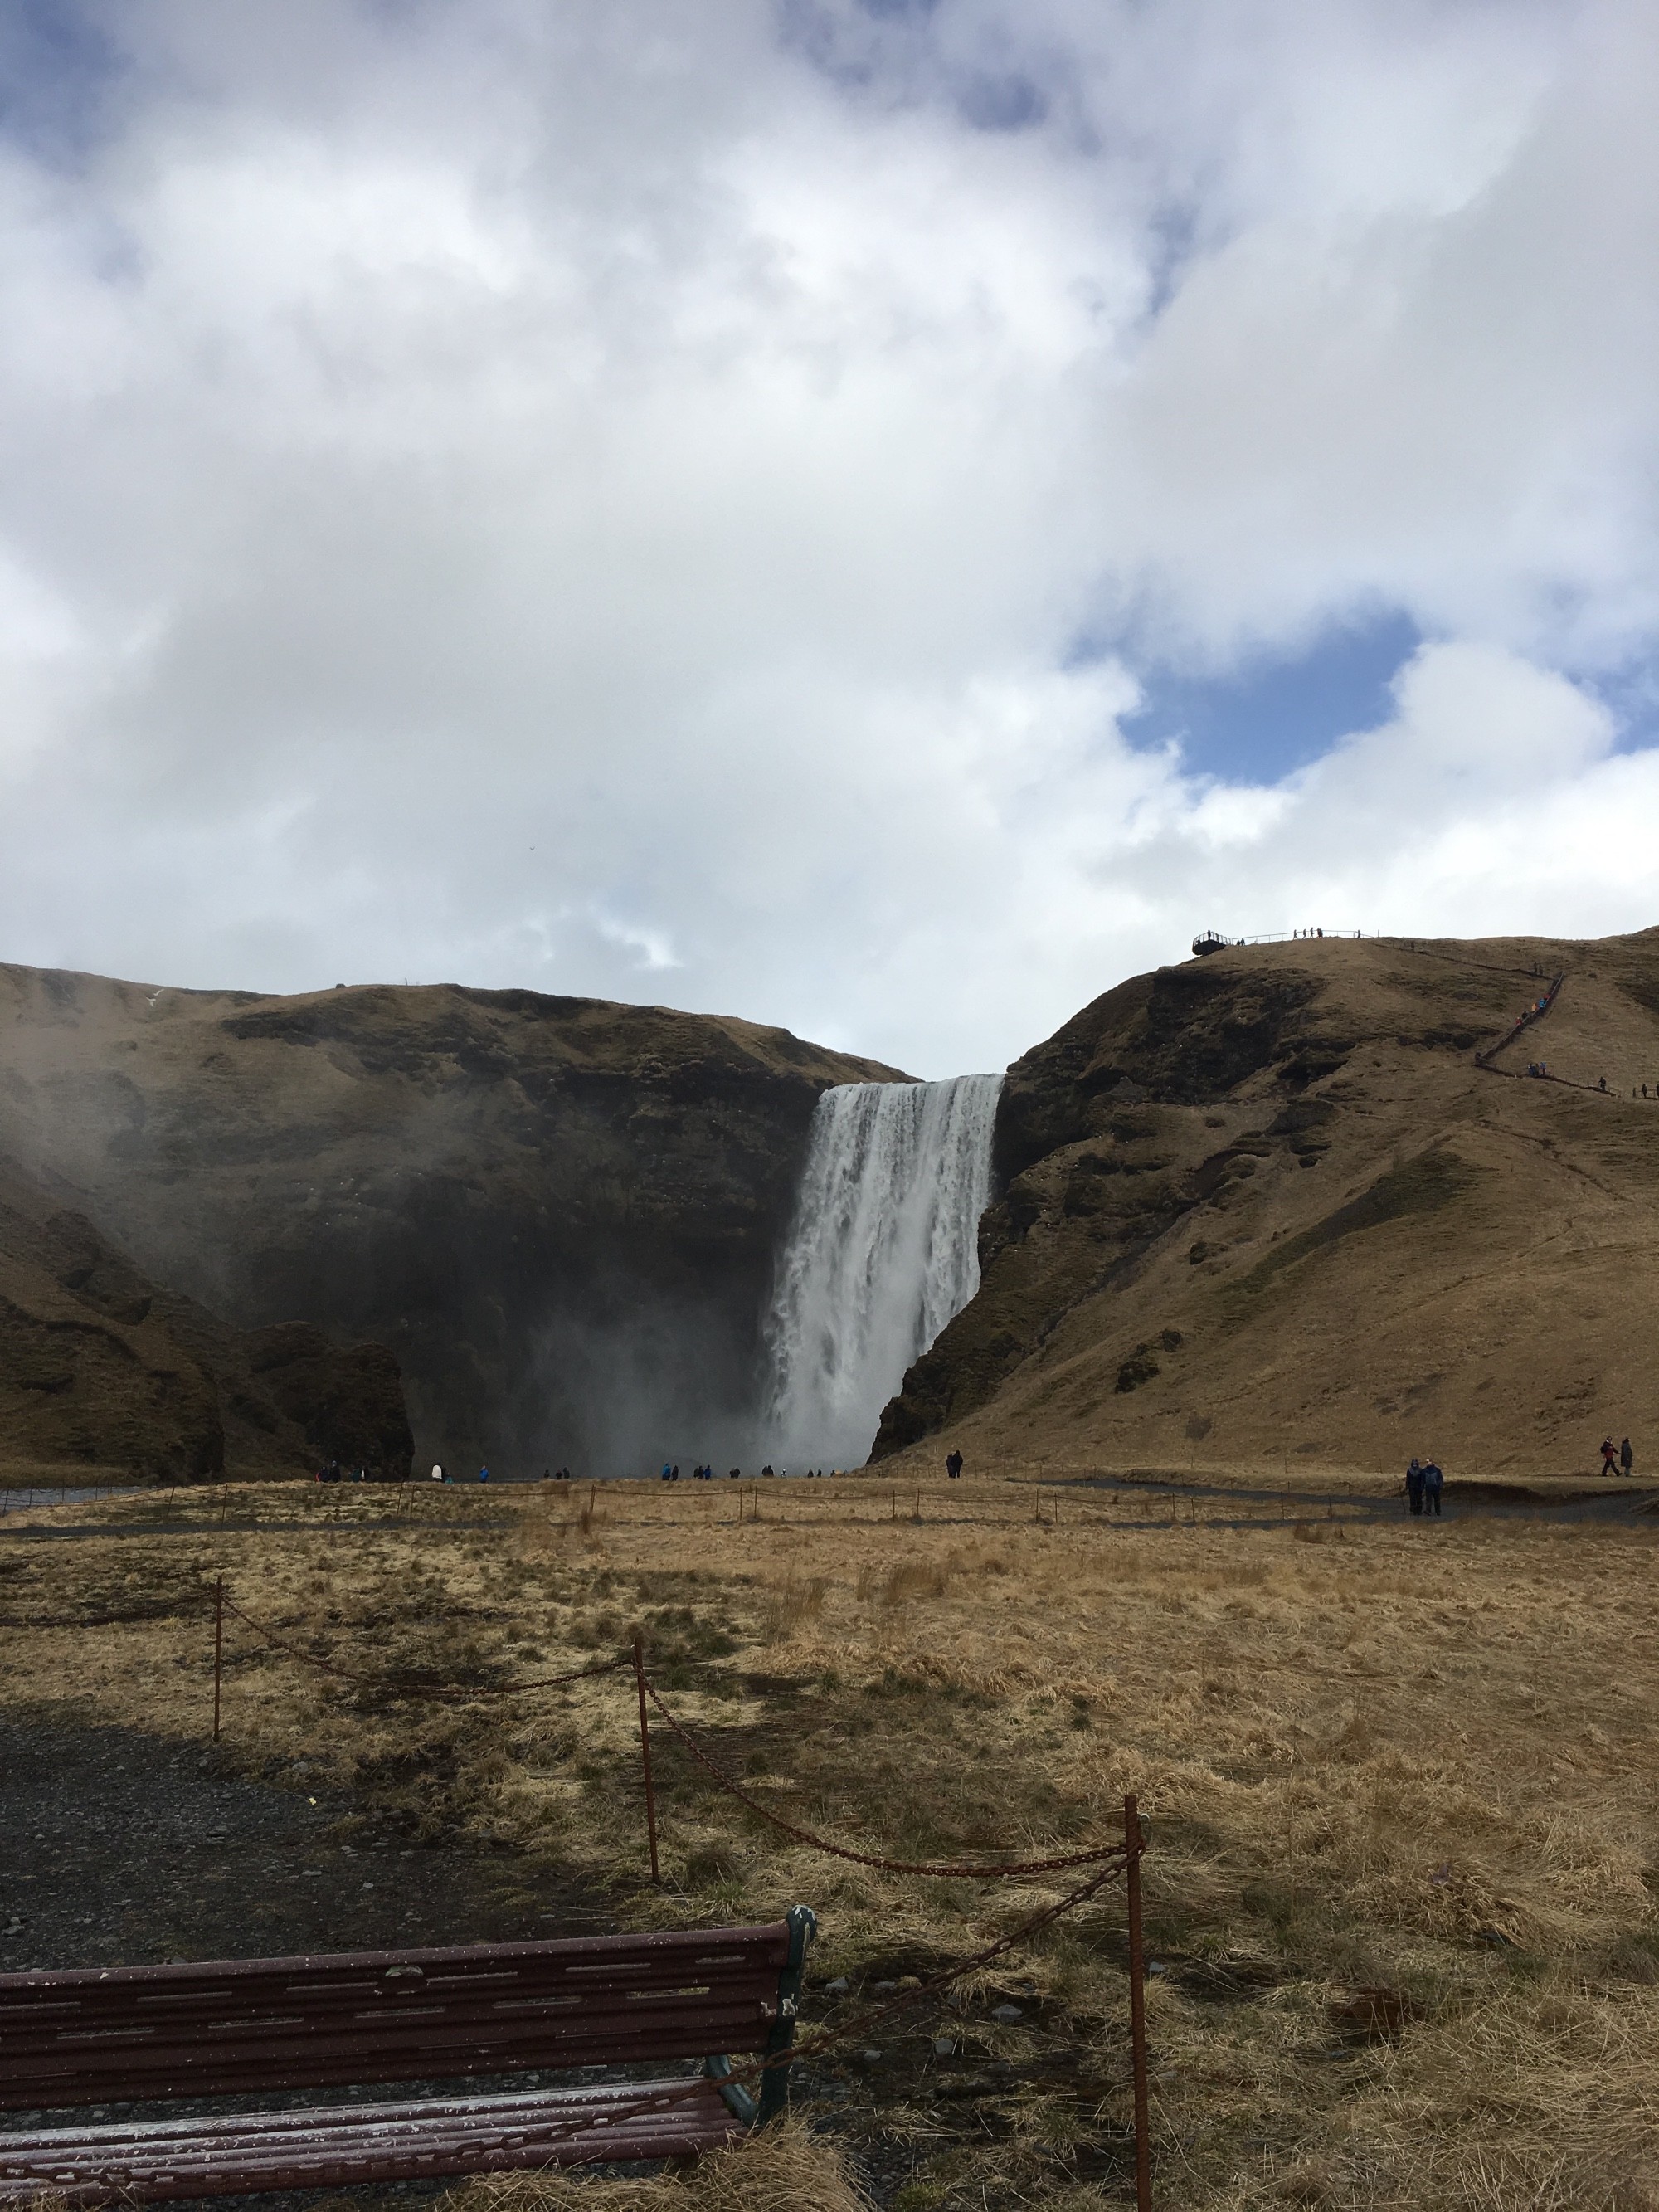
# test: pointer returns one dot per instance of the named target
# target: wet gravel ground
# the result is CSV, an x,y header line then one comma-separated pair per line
x,y
123,1850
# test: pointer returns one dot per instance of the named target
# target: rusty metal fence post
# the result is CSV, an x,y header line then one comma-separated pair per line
x,y
218,1649
1135,1844
645,1755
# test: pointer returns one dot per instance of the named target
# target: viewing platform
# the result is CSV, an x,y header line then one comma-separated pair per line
x,y
1211,940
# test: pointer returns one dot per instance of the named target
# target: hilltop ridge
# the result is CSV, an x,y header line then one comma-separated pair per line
x,y
1266,1206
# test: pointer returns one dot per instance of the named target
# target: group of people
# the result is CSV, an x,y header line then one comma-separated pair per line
x,y
1424,1485
1620,1460
953,1465
670,1473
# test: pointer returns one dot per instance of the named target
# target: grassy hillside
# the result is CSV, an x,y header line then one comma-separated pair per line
x,y
1270,1207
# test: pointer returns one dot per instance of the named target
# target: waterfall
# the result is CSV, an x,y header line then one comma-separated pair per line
x,y
882,1251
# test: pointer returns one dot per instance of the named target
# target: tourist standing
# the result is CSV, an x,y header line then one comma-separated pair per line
x,y
1626,1457
1433,1483
1414,1486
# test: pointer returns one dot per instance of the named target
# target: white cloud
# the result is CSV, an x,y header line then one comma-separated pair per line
x,y
560,497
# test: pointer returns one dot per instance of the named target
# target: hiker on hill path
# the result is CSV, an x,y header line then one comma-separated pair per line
x,y
1414,1486
1433,1483
1626,1457
953,1465
1608,1456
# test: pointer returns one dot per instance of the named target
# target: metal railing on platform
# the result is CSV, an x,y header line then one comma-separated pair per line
x,y
1211,940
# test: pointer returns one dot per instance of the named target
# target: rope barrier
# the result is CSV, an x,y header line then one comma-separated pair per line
x,y
861,2026
908,1999
1110,1863
964,1872
404,1686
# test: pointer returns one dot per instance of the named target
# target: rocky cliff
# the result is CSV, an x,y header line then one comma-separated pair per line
x,y
1270,1205
558,1215
102,1369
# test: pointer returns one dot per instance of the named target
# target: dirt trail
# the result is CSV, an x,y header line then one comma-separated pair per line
x,y
1617,1502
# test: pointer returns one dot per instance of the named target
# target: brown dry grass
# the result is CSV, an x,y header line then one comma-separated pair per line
x,y
784,2170
1400,1782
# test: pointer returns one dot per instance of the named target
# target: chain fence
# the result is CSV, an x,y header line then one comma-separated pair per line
x,y
1106,1863
414,1686
964,1870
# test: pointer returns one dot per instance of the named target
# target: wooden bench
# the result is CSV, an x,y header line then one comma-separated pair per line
x,y
141,2034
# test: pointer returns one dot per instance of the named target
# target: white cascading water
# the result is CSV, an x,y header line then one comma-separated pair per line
x,y
883,1252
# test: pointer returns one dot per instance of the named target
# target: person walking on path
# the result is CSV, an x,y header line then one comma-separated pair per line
x,y
953,1465
1433,1483
1414,1486
1608,1456
1626,1457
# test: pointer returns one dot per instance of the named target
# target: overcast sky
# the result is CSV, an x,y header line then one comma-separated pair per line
x,y
877,516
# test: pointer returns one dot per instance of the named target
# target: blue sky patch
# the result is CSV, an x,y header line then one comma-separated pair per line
x,y
1632,696
1274,716
56,67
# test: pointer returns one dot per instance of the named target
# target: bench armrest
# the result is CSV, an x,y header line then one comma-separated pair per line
x,y
802,1923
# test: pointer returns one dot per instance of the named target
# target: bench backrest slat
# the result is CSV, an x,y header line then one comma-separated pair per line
x,y
86,2036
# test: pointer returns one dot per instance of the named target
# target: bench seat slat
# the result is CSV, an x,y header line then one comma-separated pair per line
x,y
331,2146
314,2061
117,2018
587,1954
216,2011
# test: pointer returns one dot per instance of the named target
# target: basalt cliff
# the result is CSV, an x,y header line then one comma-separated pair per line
x,y
1301,1204
230,1222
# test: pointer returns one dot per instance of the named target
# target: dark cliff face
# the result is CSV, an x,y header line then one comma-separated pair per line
x,y
101,1368
1103,1146
560,1215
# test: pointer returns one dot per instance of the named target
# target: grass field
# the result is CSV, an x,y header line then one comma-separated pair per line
x,y
1399,1779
